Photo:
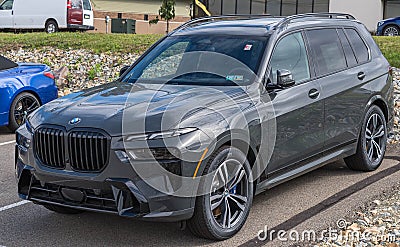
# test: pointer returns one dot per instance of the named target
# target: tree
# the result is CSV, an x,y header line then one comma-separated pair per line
x,y
167,11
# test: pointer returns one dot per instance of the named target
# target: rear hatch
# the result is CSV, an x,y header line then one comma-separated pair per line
x,y
75,12
80,12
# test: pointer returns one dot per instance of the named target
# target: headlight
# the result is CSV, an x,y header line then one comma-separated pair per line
x,y
160,135
380,23
23,141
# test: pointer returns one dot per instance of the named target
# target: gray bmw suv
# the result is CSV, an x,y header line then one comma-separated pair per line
x,y
219,110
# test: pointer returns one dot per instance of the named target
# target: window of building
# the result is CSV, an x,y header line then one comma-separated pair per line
x,y
214,6
243,6
289,7
258,7
392,8
228,7
359,47
327,50
274,7
290,54
305,6
321,6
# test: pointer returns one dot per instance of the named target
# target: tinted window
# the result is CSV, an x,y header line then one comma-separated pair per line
x,y
288,7
304,6
7,5
358,45
243,7
351,59
392,8
290,54
321,6
258,7
327,50
274,7
86,5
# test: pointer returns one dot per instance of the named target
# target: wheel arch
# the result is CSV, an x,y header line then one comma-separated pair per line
x,y
381,103
51,19
28,90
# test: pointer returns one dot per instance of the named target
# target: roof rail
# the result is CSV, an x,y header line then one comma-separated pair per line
x,y
217,18
285,21
316,15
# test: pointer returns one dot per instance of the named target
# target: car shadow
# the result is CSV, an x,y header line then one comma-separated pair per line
x,y
5,131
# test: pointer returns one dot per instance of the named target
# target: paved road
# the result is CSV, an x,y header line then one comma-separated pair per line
x,y
299,204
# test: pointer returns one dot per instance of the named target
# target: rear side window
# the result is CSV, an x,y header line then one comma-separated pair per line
x,y
327,50
348,51
359,47
86,5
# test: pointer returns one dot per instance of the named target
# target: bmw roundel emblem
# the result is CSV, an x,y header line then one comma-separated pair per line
x,y
75,121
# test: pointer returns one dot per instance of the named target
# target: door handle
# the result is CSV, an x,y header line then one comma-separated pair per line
x,y
361,76
313,93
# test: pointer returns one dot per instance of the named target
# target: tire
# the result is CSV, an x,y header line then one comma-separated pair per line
x,y
391,30
371,145
23,105
62,210
51,26
207,222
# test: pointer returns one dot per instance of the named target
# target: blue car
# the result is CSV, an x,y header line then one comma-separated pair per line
x,y
23,88
389,27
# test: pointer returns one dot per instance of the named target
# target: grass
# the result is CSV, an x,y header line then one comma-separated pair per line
x,y
121,43
390,47
98,43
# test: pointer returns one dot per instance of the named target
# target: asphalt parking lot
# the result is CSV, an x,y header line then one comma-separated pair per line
x,y
313,201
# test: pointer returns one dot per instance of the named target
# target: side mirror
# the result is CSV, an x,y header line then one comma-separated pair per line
x,y
123,70
284,78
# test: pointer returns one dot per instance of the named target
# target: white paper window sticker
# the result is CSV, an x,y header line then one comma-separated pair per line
x,y
248,47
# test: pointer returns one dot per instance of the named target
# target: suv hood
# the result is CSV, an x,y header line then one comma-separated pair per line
x,y
107,107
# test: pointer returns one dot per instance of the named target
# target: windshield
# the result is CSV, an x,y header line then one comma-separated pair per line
x,y
201,60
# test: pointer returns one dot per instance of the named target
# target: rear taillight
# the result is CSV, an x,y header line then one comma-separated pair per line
x,y
49,75
69,5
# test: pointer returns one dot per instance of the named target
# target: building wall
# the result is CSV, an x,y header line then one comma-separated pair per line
x,y
368,12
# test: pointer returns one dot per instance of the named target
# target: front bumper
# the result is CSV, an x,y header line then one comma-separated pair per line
x,y
117,189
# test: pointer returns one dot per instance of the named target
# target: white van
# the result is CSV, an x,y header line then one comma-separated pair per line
x,y
50,15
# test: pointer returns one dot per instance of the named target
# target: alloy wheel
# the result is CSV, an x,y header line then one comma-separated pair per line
x,y
391,31
51,28
375,137
229,194
25,106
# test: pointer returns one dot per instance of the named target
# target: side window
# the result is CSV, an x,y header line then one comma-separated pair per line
x,y
348,51
358,45
7,5
327,50
86,5
290,54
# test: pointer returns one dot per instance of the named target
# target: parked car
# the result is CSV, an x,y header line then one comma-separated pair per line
x,y
389,27
23,89
49,15
167,141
